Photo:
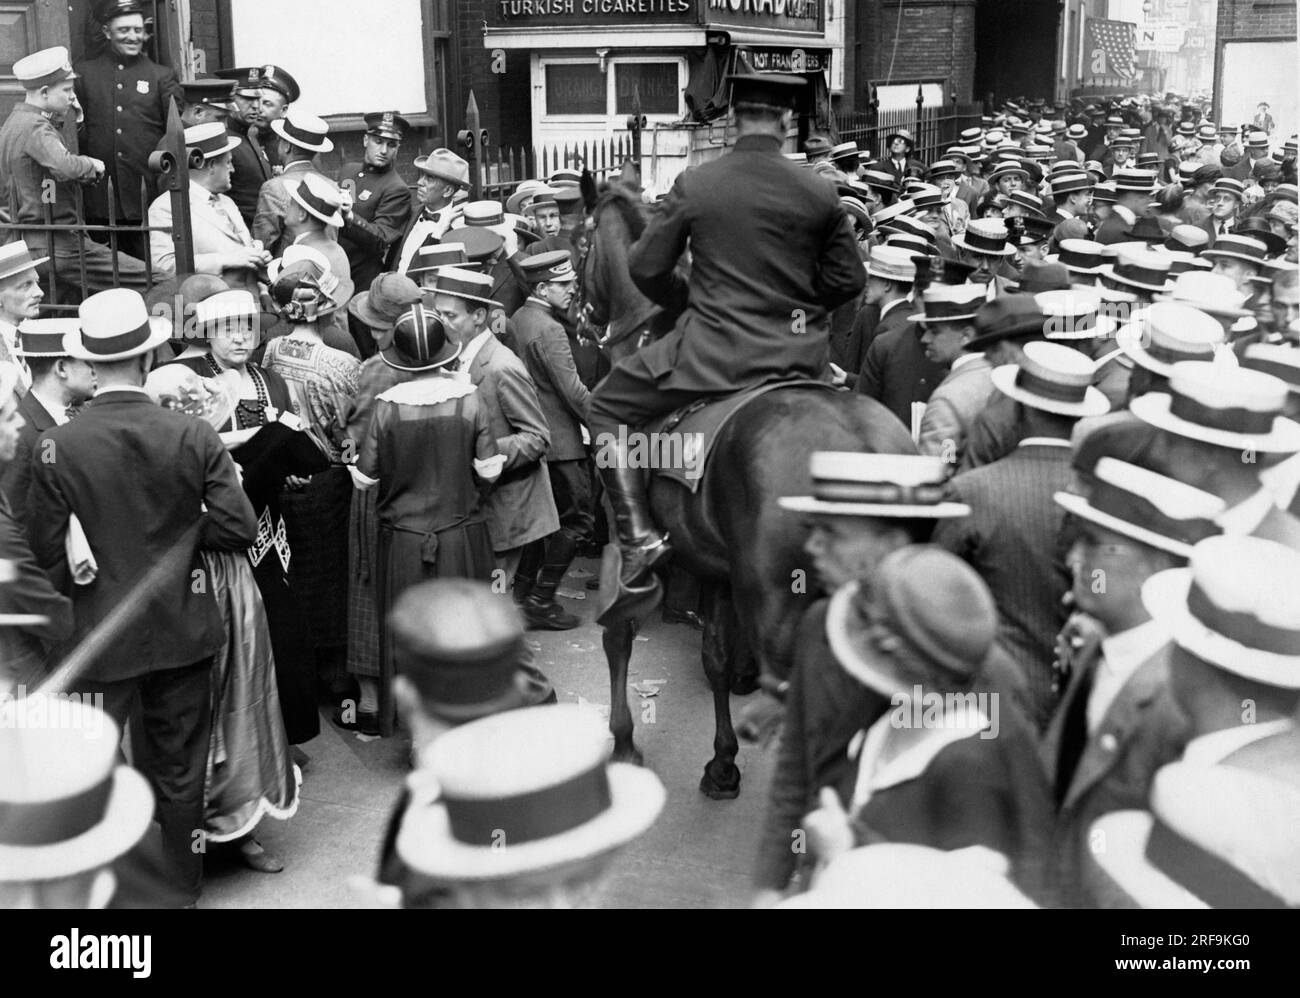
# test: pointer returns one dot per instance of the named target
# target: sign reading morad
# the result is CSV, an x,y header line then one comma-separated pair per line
x,y
800,15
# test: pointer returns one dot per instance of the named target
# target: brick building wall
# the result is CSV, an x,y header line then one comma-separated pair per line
x,y
504,99
205,31
935,41
1256,19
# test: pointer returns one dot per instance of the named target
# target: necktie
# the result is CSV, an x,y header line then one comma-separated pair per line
x,y
1074,734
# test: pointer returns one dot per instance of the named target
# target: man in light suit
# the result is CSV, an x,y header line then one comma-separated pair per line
x,y
150,488
300,136
520,508
948,322
222,244
442,175
1011,536
60,384
1117,723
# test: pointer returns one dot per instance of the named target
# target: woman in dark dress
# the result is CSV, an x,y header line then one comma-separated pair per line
x,y
428,452
267,461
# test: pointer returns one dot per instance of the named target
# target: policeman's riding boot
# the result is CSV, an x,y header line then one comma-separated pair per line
x,y
530,563
541,612
641,545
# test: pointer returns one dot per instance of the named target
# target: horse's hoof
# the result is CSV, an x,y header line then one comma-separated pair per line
x,y
714,790
743,686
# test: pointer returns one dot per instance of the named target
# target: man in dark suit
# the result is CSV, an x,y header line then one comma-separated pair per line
x,y
150,488
252,168
544,349
1224,200
126,98
61,384
33,615
772,253
1117,723
1012,535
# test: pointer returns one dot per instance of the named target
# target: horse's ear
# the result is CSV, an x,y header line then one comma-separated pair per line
x,y
587,184
630,175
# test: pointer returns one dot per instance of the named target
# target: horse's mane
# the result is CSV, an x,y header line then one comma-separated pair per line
x,y
626,202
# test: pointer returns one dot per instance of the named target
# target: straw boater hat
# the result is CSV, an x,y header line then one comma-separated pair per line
x,y
1079,256
461,648
1053,378
1236,607
985,237
1160,512
1237,247
306,131
1075,314
15,258
847,483
211,139
901,875
1280,361
115,325
527,793
437,257
949,303
44,338
1028,200
523,195
1006,168
470,285
219,314
1186,239
1133,181
1238,409
1215,837
320,198
1214,294
1139,267
419,342
66,805
1169,333
935,605
892,263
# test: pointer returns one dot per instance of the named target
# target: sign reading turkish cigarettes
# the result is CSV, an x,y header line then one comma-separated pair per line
x,y
579,13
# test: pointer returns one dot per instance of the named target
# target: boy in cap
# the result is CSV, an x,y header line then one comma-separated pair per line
x,y
800,252
38,174
544,349
377,208
125,97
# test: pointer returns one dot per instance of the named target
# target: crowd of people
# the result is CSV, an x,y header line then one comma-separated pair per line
x,y
346,456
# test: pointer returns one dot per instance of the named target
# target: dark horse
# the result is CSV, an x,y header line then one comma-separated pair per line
x,y
746,551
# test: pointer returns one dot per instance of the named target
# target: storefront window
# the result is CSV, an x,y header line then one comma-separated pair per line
x,y
575,88
656,83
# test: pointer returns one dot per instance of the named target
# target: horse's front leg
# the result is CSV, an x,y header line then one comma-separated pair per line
x,y
617,641
721,779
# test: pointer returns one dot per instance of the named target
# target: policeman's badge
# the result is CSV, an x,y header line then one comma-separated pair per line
x,y
142,86
268,71
364,195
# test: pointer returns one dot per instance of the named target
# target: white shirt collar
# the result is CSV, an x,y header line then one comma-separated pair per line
x,y
1121,655
965,358
1212,749
1044,442
1245,517
472,348
58,412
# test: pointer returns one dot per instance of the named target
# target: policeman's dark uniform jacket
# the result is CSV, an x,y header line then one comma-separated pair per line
x,y
126,102
252,168
381,206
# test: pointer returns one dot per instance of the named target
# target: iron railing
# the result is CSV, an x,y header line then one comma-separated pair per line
x,y
935,127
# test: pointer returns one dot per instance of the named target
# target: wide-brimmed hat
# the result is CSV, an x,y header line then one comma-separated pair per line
x,y
420,342
210,139
1159,511
1079,256
445,165
986,237
1037,277
16,258
894,875
1053,378
115,325
44,338
892,263
1216,837
1236,606
320,198
1229,407
1213,294
1258,228
1169,333
949,302
933,603
1139,268
66,805
1007,317
461,647
306,131
1237,247
388,297
846,483
525,792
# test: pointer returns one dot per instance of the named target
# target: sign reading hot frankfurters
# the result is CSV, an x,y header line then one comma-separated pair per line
x,y
790,15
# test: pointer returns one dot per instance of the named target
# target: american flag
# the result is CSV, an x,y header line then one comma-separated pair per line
x,y
1116,39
